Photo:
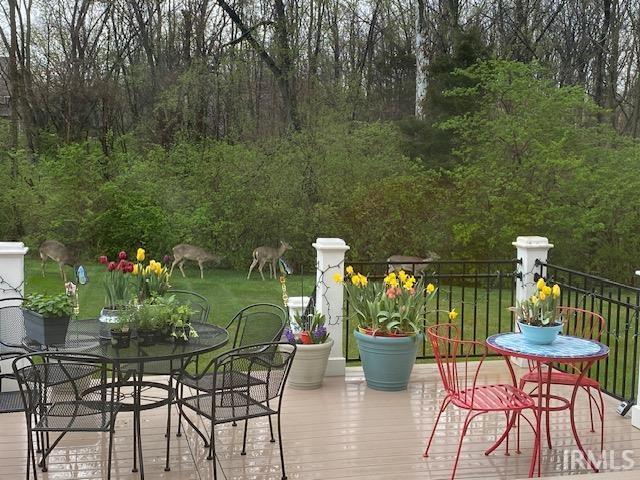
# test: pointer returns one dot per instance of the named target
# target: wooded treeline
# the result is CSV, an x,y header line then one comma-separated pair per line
x,y
250,69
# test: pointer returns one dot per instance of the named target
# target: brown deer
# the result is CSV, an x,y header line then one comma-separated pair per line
x,y
409,263
262,255
184,252
57,252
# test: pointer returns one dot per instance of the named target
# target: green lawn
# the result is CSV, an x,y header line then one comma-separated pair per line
x,y
227,290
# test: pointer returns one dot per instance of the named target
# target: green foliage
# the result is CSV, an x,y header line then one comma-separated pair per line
x,y
49,306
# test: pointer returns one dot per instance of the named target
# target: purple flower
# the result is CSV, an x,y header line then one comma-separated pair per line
x,y
166,260
291,338
319,334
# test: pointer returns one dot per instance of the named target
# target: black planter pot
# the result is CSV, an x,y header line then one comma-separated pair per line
x,y
45,331
120,339
147,337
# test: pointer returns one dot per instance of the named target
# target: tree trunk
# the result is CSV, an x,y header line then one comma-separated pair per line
x,y
421,59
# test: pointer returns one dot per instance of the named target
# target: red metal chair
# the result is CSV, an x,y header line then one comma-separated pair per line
x,y
459,379
578,323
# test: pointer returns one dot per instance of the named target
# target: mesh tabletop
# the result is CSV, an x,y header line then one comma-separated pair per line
x,y
84,336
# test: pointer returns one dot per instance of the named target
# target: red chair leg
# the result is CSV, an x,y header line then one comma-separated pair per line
x,y
467,421
445,404
601,412
588,390
505,434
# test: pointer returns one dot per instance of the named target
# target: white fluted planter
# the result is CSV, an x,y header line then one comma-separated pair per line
x,y
309,366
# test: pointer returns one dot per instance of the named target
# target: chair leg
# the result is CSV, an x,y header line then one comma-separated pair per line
x,y
244,438
505,435
588,390
271,430
601,412
111,433
467,421
443,406
284,474
170,399
181,395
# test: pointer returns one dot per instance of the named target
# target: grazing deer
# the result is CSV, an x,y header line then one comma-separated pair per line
x,y
184,252
410,264
57,252
262,255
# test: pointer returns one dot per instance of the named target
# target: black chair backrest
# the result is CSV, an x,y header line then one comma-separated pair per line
x,y
11,324
256,324
197,302
77,379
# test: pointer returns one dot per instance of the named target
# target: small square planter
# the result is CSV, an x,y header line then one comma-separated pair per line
x,y
45,331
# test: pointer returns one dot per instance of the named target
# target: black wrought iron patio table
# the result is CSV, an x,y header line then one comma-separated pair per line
x,y
163,358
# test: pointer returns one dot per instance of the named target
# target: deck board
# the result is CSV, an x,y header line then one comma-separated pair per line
x,y
342,431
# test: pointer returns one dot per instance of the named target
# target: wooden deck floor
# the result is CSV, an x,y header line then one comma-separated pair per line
x,y
342,431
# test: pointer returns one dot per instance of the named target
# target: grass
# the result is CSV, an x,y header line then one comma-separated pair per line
x,y
228,291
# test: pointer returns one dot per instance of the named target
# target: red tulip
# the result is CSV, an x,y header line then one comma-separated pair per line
x,y
122,255
112,266
121,265
305,337
128,267
103,259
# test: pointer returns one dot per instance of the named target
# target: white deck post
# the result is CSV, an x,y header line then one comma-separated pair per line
x,y
330,296
529,249
635,410
11,286
12,269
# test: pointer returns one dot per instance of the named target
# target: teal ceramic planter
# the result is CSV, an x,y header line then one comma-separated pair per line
x,y
540,335
387,361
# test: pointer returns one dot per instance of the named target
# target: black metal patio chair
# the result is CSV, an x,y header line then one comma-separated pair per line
x,y
63,393
256,324
268,363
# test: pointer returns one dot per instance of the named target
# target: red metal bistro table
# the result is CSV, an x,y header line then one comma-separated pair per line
x,y
579,352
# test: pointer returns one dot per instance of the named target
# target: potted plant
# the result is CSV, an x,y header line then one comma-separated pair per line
x,y
176,318
539,317
312,352
152,277
117,291
147,319
121,333
46,317
390,323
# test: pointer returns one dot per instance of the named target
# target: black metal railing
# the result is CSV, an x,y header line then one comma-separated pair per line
x,y
479,290
619,304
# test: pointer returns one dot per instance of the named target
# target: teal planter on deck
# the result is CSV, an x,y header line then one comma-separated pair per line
x,y
387,361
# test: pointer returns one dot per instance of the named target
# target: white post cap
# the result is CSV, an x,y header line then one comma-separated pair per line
x,y
330,244
532,242
13,248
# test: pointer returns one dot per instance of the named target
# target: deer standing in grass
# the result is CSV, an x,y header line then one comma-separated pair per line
x,y
262,255
184,252
59,253
410,264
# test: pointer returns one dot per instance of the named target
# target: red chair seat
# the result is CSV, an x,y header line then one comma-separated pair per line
x,y
493,398
560,378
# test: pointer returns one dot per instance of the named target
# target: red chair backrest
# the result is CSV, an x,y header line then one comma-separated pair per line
x,y
583,323
452,357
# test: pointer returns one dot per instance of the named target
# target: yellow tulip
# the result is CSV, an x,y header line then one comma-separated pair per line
x,y
547,290
431,288
541,284
337,278
534,299
349,270
542,296
135,270
453,315
556,291
140,255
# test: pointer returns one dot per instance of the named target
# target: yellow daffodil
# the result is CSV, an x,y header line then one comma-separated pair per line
x,y
409,282
140,255
431,288
337,278
542,296
547,290
555,291
453,315
135,270
391,280
363,280
541,284
349,270
402,275
356,280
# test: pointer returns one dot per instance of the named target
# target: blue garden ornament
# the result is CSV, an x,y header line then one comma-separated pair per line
x,y
81,275
284,267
